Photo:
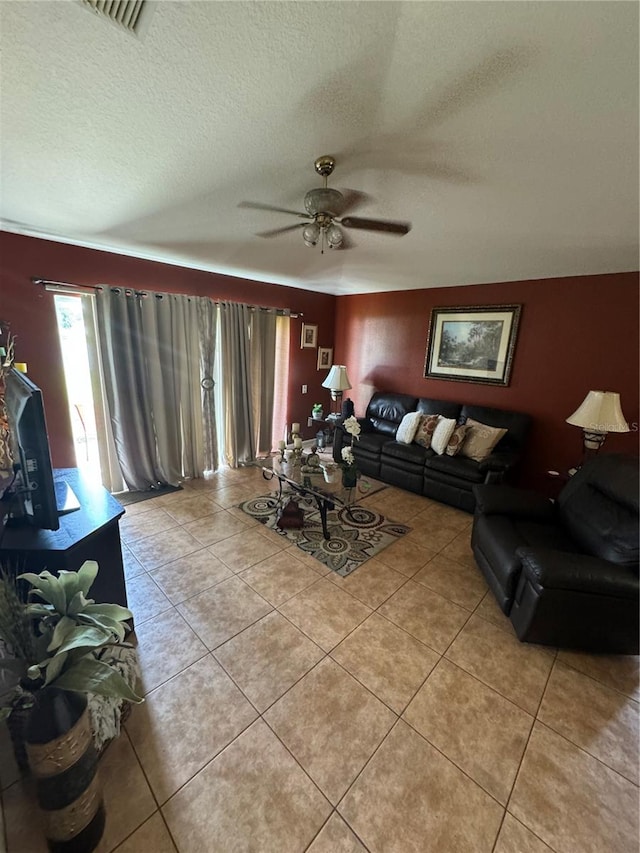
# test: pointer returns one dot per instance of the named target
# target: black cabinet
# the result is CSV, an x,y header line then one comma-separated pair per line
x,y
88,533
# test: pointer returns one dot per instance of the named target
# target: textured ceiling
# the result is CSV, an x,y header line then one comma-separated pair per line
x,y
506,133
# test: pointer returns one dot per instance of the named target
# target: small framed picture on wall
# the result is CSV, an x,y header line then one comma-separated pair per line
x,y
325,358
309,338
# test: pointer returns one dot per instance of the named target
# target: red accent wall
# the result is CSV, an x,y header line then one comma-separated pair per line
x,y
31,313
576,334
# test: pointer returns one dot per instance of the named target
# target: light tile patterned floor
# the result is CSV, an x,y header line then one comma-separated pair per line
x,y
392,711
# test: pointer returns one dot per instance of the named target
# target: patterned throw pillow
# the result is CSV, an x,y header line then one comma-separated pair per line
x,y
457,439
480,440
442,434
408,426
424,433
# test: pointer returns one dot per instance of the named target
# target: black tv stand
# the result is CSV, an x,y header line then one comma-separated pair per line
x,y
89,533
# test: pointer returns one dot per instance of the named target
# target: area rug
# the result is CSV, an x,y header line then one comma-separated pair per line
x,y
357,534
127,498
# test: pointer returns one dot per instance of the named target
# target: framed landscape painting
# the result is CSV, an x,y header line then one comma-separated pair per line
x,y
472,344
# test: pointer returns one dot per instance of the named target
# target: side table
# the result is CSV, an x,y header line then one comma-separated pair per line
x,y
326,426
558,480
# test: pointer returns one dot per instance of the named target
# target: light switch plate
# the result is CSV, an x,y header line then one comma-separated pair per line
x,y
304,389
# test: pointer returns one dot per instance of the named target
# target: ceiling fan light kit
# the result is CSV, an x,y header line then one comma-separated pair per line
x,y
324,208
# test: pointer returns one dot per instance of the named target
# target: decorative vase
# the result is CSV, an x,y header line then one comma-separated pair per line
x,y
17,725
64,763
349,476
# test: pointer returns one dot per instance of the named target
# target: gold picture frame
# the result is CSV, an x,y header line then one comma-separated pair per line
x,y
474,343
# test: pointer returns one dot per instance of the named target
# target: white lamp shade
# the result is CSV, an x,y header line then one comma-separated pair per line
x,y
600,412
337,379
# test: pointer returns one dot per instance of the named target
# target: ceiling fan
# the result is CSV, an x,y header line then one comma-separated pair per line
x,y
326,209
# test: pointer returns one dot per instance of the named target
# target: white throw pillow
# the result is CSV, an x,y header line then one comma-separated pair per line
x,y
441,434
408,427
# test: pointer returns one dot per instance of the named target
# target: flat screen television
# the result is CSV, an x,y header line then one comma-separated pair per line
x,y
37,498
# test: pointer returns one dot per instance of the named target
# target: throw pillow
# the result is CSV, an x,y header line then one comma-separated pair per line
x,y
480,440
425,430
408,427
442,433
457,439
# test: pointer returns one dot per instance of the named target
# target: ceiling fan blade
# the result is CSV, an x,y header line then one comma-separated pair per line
x,y
257,206
376,225
275,231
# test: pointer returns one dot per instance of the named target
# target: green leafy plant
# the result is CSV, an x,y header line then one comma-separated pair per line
x,y
69,633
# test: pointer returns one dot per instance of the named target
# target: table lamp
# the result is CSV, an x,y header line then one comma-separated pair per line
x,y
337,381
598,414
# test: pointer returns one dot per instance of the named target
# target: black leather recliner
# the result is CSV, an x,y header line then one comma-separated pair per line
x,y
566,573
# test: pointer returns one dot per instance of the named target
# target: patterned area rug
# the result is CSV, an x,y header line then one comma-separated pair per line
x,y
356,534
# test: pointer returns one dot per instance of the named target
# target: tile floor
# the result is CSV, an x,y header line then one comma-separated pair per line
x,y
288,709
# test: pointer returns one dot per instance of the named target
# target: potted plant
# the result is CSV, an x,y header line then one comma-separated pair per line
x,y
60,644
317,411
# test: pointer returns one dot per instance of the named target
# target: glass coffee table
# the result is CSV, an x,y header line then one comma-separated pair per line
x,y
323,485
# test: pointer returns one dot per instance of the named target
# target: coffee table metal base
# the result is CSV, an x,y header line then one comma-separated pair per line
x,y
324,503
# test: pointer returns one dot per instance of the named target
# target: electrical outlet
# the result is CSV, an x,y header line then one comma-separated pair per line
x,y
304,389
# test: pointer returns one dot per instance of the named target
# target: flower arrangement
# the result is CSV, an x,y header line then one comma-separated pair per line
x,y
352,426
349,470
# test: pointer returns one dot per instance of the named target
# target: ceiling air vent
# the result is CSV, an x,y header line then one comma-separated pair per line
x,y
124,13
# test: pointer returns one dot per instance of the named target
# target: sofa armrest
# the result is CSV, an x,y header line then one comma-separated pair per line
x,y
499,461
547,568
513,502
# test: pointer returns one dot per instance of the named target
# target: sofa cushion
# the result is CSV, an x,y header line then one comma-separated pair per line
x,y
425,430
408,427
371,442
447,409
603,527
456,466
390,407
406,452
480,440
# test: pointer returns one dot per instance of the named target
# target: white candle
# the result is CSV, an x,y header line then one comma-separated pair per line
x,y
282,445
295,427
297,442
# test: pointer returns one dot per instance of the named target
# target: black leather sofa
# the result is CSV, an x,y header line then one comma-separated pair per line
x,y
566,573
449,479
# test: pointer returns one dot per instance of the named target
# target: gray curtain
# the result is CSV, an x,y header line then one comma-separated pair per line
x,y
236,392
246,376
208,313
151,360
262,333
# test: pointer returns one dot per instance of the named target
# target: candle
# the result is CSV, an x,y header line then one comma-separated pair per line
x,y
282,445
297,442
295,427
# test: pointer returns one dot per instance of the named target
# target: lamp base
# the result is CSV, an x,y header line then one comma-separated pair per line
x,y
593,440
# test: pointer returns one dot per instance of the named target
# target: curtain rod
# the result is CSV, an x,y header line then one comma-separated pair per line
x,y
69,287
